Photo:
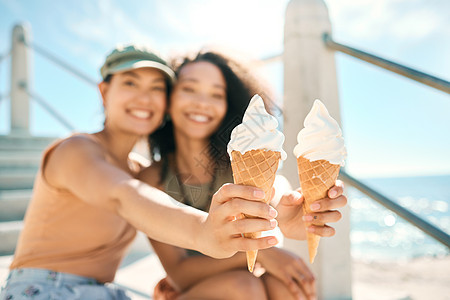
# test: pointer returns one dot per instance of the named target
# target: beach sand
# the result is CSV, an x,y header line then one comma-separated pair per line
x,y
418,279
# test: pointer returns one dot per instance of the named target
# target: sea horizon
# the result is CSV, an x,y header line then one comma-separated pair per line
x,y
379,234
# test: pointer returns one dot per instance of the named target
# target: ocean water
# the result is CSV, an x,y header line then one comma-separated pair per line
x,y
379,234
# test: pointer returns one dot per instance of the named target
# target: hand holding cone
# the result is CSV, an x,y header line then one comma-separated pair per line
x,y
255,149
316,178
256,168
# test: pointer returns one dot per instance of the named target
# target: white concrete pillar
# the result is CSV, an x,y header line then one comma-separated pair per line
x,y
309,74
20,80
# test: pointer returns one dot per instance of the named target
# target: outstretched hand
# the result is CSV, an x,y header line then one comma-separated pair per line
x,y
290,213
221,236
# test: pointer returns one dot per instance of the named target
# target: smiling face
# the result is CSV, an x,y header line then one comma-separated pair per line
x,y
135,100
199,101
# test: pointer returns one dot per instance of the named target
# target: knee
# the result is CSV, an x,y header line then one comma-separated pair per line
x,y
246,286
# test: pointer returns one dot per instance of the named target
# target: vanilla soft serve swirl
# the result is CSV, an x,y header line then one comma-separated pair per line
x,y
321,138
258,130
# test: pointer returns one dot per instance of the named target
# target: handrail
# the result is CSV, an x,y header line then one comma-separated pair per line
x,y
49,109
271,58
413,74
420,223
61,63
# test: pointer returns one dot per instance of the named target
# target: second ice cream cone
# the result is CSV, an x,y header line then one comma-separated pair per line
x,y
255,168
316,178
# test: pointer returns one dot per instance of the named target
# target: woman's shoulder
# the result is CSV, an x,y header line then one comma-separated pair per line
x,y
81,140
76,144
65,155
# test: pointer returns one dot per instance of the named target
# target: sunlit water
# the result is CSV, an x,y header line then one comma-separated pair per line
x,y
380,234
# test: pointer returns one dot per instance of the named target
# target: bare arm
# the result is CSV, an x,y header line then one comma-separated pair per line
x,y
186,271
80,166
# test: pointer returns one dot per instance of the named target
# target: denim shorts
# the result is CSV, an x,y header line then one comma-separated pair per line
x,y
29,283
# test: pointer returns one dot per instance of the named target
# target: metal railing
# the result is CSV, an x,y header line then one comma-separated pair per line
x,y
412,218
45,105
413,74
61,63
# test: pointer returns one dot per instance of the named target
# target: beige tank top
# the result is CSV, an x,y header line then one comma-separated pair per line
x,y
198,196
65,234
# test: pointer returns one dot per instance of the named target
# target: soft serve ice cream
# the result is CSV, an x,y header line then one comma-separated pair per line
x,y
258,130
321,138
255,149
320,154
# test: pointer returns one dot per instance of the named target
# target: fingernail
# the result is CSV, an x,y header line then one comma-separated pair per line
x,y
315,206
333,193
273,223
307,218
272,241
259,194
272,212
311,229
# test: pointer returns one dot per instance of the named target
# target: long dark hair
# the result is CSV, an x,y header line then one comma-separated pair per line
x,y
240,87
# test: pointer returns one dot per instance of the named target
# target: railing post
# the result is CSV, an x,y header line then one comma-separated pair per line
x,y
309,74
20,80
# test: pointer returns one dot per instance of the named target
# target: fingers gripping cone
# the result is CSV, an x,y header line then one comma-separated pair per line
x,y
255,149
316,178
255,168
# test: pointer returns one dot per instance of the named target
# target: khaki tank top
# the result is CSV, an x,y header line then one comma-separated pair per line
x,y
65,234
198,196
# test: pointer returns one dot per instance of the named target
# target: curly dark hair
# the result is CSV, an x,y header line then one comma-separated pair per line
x,y
240,87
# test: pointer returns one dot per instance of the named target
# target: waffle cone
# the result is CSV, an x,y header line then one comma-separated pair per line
x,y
316,178
255,168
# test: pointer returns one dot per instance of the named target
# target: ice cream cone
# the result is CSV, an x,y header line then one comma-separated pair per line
x,y
255,168
316,178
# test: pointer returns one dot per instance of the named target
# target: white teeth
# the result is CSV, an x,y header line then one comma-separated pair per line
x,y
198,118
143,114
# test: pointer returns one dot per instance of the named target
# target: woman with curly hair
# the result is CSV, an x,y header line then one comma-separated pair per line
x,y
208,100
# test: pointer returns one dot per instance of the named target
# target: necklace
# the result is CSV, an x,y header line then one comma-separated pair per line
x,y
184,197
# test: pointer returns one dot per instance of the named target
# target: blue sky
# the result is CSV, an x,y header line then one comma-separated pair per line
x,y
392,126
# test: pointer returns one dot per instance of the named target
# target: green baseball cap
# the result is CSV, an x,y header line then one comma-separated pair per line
x,y
124,58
